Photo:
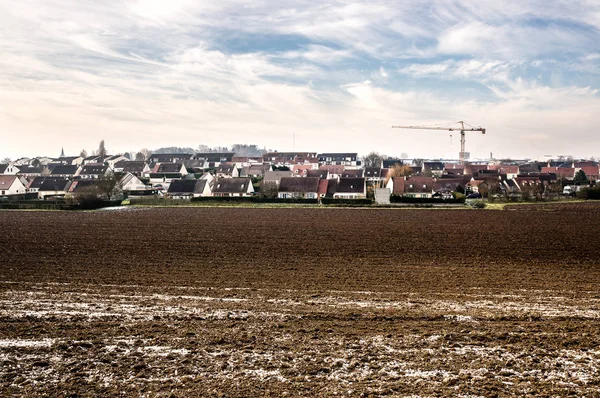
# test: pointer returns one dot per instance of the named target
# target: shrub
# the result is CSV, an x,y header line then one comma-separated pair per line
x,y
477,204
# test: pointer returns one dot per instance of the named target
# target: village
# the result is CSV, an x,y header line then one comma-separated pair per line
x,y
290,175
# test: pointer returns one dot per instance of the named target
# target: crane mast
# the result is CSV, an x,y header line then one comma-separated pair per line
x,y
462,130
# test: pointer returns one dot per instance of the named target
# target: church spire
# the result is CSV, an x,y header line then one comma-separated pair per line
x,y
62,152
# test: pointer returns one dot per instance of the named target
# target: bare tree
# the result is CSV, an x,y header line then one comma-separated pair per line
x,y
6,160
399,170
268,189
102,149
145,152
83,153
373,159
139,157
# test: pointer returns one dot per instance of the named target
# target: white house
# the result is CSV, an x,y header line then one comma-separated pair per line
x,y
11,169
11,185
233,186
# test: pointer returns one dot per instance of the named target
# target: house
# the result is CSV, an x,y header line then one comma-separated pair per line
x,y
164,173
351,188
12,185
227,170
94,159
376,176
321,174
94,171
69,160
334,171
419,187
591,172
445,186
396,185
53,188
79,185
353,173
234,186
194,165
31,171
290,158
274,177
168,157
185,189
292,187
213,160
136,168
132,186
255,170
63,171
11,169
435,169
323,187
389,163
301,170
113,160
511,171
339,159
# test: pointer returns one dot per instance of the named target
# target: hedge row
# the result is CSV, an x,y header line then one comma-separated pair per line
x,y
590,193
253,199
354,202
402,199
57,205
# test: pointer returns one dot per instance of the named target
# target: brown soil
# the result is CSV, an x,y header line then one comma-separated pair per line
x,y
297,302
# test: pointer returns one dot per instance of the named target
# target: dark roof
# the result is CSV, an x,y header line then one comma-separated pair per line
x,y
372,172
351,185
94,169
131,166
322,174
448,184
388,163
225,168
3,168
299,184
191,164
419,184
435,166
64,169
55,184
232,185
168,157
332,184
358,173
81,184
338,156
169,168
31,170
215,157
187,186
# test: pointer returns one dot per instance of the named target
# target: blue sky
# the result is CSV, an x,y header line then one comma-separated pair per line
x,y
337,74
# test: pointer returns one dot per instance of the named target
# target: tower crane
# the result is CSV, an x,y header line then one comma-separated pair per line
x,y
460,128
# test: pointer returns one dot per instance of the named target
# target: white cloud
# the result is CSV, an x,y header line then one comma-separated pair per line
x,y
151,73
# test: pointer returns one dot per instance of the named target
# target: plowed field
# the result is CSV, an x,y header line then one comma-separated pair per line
x,y
301,302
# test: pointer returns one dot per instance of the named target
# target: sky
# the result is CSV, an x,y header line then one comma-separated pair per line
x,y
322,76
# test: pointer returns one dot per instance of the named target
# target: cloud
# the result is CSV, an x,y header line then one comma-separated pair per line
x,y
151,73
